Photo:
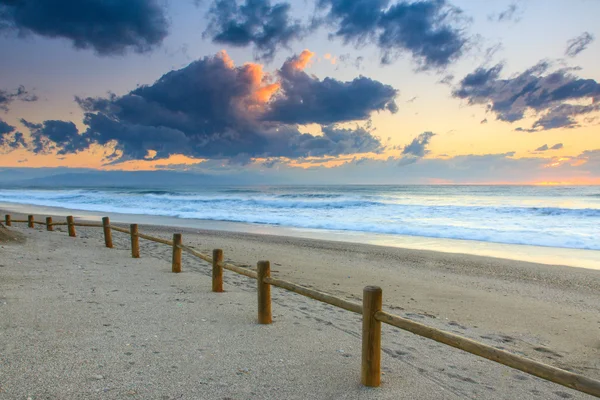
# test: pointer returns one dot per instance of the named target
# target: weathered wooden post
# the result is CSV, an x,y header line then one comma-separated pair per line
x,y
107,232
49,226
7,220
371,337
71,226
30,221
135,241
176,252
217,271
264,293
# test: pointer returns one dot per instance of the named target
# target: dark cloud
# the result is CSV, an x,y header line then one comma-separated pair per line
x,y
9,138
306,99
548,94
256,22
62,136
6,128
109,27
416,149
429,30
346,141
7,97
510,14
545,147
578,44
213,109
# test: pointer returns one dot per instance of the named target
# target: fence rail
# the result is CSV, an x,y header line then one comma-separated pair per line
x,y
370,309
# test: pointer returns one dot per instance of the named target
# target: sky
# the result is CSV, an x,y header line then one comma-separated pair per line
x,y
348,91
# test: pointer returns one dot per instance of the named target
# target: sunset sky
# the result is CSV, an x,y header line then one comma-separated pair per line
x,y
459,91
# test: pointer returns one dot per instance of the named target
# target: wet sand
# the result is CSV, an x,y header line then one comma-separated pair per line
x,y
549,313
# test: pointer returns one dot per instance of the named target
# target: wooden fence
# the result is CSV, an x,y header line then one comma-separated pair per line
x,y
370,309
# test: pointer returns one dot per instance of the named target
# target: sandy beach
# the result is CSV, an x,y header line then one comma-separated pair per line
x,y
83,321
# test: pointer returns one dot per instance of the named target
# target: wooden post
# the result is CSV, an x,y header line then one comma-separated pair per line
x,y
49,226
264,293
30,221
176,252
371,337
217,271
71,226
135,241
7,220
107,232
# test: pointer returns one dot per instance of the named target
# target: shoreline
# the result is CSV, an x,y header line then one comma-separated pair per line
x,y
546,312
570,257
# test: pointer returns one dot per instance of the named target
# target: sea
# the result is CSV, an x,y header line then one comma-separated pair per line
x,y
551,216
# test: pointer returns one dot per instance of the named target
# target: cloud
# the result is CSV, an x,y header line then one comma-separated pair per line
x,y
51,135
510,14
307,99
461,169
256,22
9,138
429,30
348,60
578,44
214,109
6,128
416,149
20,94
108,27
545,147
555,98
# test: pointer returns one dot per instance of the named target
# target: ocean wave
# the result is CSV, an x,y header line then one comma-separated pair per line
x,y
534,220
172,200
154,192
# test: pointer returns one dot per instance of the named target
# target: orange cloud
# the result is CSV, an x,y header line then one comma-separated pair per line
x,y
572,161
264,93
332,59
226,59
261,86
302,61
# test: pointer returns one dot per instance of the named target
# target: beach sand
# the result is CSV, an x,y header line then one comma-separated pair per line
x,y
83,321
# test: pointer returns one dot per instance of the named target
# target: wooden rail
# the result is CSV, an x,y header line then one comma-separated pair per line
x,y
544,371
317,295
119,229
371,310
89,225
155,239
